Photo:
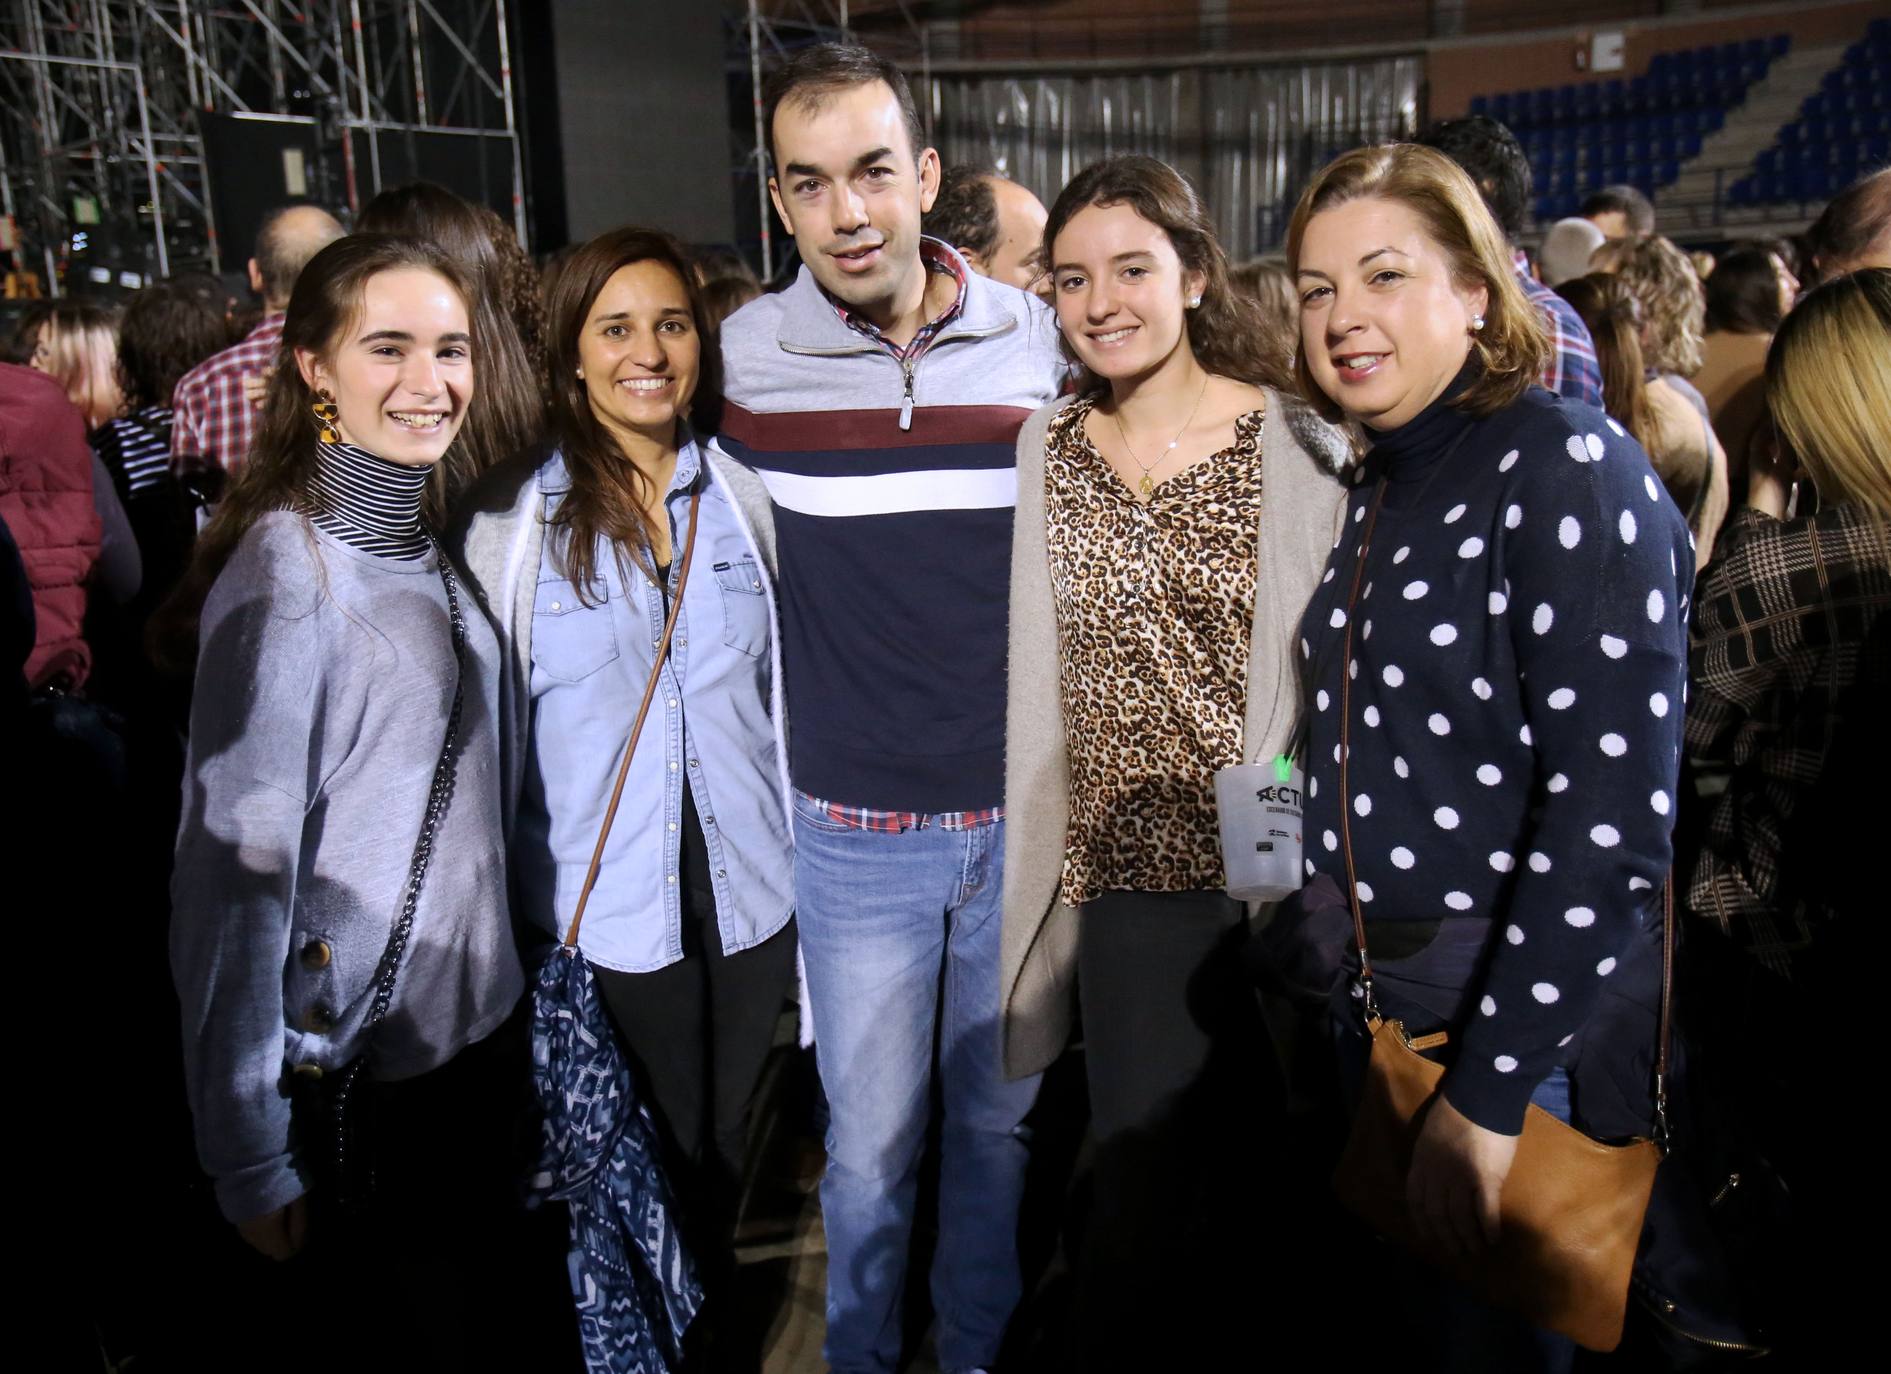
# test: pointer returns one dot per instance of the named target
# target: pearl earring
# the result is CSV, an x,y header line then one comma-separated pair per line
x,y
1477,323
581,374
1194,302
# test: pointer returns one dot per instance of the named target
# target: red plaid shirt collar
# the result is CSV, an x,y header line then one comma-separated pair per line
x,y
937,258
214,421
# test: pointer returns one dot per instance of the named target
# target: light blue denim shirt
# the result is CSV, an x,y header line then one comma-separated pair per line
x,y
714,726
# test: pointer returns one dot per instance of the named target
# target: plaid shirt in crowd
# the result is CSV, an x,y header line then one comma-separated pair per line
x,y
213,420
866,817
1572,370
1787,681
937,259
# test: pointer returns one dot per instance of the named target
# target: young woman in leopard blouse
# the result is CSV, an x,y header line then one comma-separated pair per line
x,y
1173,518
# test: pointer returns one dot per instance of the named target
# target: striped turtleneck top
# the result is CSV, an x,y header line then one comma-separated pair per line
x,y
368,502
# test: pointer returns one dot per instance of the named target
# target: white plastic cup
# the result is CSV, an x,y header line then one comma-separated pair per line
x,y
1260,806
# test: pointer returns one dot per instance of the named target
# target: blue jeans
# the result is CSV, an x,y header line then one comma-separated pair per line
x,y
899,932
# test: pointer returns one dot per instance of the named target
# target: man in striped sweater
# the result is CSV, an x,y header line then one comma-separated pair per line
x,y
879,399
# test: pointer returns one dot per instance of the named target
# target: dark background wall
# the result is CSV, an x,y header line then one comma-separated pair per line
x,y
636,97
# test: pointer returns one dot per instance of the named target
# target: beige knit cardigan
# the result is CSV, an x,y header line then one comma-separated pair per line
x,y
1302,504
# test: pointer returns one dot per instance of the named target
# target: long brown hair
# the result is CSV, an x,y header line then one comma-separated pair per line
x,y
507,415
609,494
1229,333
1512,346
322,309
1613,315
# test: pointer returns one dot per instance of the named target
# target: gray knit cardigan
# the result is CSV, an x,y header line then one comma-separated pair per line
x,y
1302,504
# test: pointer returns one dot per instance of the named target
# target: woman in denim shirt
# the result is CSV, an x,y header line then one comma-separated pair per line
x,y
576,556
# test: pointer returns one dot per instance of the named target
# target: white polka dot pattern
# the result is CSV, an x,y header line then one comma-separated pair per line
x,y
1516,803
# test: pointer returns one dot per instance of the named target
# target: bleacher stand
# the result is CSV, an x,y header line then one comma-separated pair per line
x,y
1841,132
1639,131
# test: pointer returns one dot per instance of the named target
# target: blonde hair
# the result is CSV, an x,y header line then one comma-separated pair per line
x,y
1672,301
1512,346
80,340
1828,383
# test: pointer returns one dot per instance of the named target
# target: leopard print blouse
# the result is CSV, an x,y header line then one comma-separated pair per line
x,y
1155,607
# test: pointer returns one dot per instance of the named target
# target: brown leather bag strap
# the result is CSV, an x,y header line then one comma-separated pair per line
x,y
1666,1032
1346,752
636,726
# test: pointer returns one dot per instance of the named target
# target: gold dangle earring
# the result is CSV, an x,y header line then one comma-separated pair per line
x,y
327,412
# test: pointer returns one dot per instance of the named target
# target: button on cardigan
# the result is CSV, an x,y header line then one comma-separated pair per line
x,y
1517,677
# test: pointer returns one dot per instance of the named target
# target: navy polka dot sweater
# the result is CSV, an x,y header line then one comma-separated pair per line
x,y
1518,669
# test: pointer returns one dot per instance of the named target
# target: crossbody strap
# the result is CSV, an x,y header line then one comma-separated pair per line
x,y
439,793
636,725
1346,752
1664,1032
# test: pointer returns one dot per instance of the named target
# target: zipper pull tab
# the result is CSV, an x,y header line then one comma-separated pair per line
x,y
906,402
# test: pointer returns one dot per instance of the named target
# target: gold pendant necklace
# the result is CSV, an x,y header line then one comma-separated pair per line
x,y
1147,486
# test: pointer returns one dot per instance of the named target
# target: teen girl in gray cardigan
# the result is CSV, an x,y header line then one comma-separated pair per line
x,y
1154,595
327,675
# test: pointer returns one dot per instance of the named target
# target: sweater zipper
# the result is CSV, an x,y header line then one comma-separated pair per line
x,y
908,366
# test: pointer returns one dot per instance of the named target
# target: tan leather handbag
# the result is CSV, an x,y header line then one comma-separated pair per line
x,y
1571,1209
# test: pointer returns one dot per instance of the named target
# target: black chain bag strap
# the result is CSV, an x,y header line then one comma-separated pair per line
x,y
333,1111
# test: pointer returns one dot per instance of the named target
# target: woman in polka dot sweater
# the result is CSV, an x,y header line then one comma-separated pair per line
x,y
1513,670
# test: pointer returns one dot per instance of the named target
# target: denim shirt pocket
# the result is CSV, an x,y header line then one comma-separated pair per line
x,y
744,608
571,640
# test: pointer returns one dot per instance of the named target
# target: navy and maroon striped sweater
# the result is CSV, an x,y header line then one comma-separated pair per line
x,y
893,484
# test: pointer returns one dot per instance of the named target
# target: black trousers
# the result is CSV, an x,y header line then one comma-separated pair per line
x,y
1183,1094
442,1268
698,1033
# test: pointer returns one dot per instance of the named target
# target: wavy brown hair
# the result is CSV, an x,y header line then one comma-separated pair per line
x,y
1672,301
610,495
323,308
1512,347
507,415
1613,316
1229,333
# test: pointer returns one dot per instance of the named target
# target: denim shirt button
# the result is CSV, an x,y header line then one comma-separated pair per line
x,y
672,825
672,877
672,703
672,765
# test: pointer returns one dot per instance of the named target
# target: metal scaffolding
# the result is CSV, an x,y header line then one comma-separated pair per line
x,y
770,30
100,140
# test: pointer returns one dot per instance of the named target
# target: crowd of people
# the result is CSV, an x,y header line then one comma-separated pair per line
x,y
448,610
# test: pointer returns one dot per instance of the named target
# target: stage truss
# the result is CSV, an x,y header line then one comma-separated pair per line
x,y
100,145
